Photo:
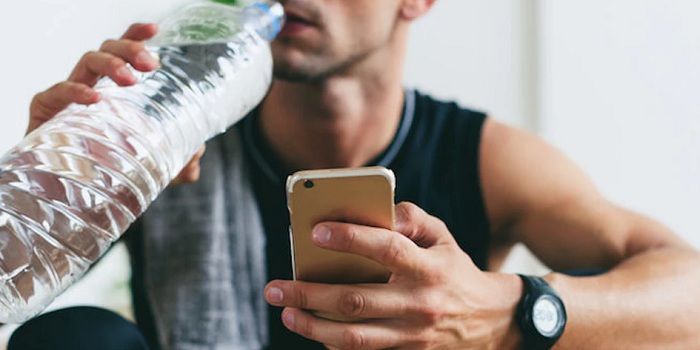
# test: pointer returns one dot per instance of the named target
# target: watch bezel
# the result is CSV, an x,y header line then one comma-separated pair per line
x,y
559,310
536,288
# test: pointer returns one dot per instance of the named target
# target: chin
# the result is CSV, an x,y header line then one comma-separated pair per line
x,y
293,66
294,75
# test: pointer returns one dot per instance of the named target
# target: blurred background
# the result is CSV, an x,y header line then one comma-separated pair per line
x,y
613,83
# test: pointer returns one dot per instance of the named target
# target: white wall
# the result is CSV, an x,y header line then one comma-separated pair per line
x,y
481,43
474,51
480,53
43,39
618,83
620,94
41,42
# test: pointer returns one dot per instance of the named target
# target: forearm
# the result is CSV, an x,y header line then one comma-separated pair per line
x,y
648,301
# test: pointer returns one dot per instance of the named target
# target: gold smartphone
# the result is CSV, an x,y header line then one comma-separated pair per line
x,y
360,196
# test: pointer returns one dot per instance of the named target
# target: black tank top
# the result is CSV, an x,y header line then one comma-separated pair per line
x,y
434,155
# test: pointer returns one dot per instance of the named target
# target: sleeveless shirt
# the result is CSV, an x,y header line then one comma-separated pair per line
x,y
435,157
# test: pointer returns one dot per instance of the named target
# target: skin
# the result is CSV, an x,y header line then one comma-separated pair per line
x,y
109,61
336,102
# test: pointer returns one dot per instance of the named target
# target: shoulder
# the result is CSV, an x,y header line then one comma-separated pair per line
x,y
446,121
435,108
523,174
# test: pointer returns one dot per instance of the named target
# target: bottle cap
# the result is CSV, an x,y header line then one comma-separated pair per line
x,y
275,17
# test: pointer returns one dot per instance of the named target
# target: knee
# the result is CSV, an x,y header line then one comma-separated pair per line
x,y
78,328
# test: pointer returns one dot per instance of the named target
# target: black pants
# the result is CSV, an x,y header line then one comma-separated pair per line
x,y
78,328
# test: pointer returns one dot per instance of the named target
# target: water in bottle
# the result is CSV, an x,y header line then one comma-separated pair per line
x,y
74,185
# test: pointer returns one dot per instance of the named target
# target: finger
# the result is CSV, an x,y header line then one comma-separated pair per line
x,y
131,51
388,248
59,96
361,301
47,104
140,31
94,65
420,227
189,174
192,171
341,335
199,154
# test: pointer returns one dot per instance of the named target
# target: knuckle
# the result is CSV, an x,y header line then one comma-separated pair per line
x,y
353,304
53,89
353,339
424,339
394,251
305,328
431,316
114,63
409,212
440,225
88,56
300,297
35,104
107,44
411,208
348,236
133,48
73,89
428,308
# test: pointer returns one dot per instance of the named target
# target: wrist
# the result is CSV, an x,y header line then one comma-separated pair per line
x,y
507,295
541,315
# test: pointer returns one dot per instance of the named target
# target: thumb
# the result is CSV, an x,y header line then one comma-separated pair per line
x,y
422,228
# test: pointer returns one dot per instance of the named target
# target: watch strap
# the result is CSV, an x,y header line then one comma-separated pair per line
x,y
534,288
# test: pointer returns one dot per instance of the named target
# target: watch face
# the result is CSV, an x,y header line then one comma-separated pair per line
x,y
547,315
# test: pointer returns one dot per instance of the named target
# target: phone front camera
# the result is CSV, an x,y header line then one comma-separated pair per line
x,y
308,184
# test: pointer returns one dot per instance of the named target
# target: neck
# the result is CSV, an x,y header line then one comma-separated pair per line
x,y
343,121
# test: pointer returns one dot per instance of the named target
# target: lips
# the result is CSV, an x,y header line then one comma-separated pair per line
x,y
296,23
293,17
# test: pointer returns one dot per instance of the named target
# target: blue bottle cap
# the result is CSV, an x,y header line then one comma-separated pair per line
x,y
275,13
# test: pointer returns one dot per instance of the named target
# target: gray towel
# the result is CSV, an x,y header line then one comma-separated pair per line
x,y
204,253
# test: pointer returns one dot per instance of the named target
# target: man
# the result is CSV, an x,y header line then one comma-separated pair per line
x,y
337,101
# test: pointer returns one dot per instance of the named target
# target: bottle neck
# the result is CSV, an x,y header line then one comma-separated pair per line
x,y
266,17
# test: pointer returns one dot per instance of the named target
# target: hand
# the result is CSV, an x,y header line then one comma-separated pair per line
x,y
436,296
111,61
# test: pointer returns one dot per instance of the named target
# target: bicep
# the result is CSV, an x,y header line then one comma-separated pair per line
x,y
537,196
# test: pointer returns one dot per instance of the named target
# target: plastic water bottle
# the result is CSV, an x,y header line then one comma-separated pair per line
x,y
74,185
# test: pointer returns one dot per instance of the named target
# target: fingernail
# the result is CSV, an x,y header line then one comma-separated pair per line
x,y
322,234
124,72
275,295
288,319
145,58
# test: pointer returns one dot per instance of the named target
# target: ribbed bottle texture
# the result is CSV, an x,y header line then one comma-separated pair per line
x,y
74,185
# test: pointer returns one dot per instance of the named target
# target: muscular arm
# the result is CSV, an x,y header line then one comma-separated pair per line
x,y
535,195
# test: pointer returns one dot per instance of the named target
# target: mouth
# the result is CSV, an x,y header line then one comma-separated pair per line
x,y
296,23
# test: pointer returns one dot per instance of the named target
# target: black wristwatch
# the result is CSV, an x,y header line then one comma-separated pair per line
x,y
541,314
